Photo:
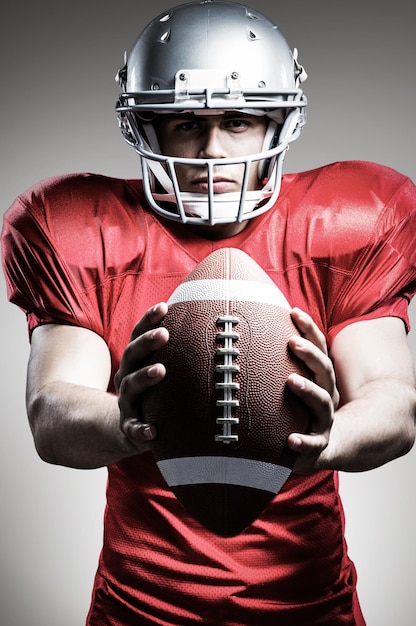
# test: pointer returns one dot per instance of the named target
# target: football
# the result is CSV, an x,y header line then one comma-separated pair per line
x,y
223,411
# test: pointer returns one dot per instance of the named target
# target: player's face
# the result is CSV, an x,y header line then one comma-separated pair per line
x,y
226,135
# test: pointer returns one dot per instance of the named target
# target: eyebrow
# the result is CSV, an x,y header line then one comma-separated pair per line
x,y
190,115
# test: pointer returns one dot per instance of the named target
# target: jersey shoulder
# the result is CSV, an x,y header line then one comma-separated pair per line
x,y
76,212
361,197
74,195
350,182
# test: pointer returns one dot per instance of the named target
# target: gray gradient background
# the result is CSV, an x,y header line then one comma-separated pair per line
x,y
58,60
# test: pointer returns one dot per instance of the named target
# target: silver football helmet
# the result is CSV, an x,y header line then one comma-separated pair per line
x,y
211,56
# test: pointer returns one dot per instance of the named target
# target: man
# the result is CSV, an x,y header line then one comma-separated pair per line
x,y
211,111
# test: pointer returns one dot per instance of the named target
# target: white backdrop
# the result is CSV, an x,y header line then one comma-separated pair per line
x,y
58,60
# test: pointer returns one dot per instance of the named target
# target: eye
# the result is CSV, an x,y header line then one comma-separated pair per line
x,y
237,123
188,125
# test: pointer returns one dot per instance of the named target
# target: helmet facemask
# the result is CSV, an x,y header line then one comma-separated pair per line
x,y
210,91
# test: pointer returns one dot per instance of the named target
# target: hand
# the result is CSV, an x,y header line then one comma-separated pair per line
x,y
320,394
132,379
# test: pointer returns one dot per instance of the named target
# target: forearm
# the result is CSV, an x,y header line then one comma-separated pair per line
x,y
374,428
77,426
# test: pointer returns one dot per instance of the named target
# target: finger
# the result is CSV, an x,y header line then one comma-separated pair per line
x,y
317,399
138,432
310,445
142,347
133,385
138,350
150,319
309,449
308,329
139,435
319,364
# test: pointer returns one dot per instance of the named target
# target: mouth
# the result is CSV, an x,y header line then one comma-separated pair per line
x,y
219,185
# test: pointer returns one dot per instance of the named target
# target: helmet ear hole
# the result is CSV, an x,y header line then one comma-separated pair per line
x,y
126,129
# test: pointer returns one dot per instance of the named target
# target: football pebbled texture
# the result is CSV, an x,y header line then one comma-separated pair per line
x,y
223,411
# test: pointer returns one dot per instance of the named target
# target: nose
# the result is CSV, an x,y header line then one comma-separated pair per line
x,y
212,143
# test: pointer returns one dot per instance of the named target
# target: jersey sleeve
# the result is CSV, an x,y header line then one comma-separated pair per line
x,y
38,278
383,277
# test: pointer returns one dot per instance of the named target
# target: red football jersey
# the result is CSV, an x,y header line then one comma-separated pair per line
x,y
84,249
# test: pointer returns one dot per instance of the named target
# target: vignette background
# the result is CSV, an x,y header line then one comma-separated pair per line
x,y
58,62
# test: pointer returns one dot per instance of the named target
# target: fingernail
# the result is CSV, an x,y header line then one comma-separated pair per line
x,y
299,341
298,381
153,371
147,432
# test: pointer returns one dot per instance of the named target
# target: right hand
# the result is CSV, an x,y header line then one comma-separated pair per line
x,y
133,378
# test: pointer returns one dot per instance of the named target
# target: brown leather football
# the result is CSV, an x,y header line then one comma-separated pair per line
x,y
223,411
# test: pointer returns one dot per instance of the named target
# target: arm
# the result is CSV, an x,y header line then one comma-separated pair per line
x,y
74,420
375,422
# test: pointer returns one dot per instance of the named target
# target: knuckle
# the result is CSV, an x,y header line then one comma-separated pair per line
x,y
130,384
123,386
130,429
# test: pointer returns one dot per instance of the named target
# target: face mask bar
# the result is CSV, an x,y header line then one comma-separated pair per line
x,y
137,110
209,208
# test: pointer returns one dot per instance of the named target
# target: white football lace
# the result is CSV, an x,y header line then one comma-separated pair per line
x,y
228,386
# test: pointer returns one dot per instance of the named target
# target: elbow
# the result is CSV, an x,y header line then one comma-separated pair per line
x,y
41,432
411,435
408,434
43,449
43,445
408,440
399,434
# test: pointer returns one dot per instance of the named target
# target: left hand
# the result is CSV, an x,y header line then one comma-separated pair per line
x,y
320,394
